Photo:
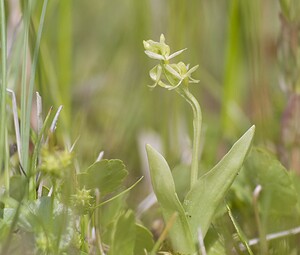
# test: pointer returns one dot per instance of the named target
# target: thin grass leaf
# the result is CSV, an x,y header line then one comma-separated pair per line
x,y
204,198
55,119
16,122
241,235
65,55
164,234
233,69
37,148
24,115
26,105
3,126
39,112
38,142
164,189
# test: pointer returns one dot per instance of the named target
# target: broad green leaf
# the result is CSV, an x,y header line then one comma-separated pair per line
x,y
124,235
181,176
277,202
204,198
164,188
50,217
106,175
143,240
216,249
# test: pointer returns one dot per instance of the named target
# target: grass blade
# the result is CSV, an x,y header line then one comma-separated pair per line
x,y
16,122
26,129
3,142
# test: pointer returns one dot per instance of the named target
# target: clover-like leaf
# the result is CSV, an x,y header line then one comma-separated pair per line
x,y
124,235
106,175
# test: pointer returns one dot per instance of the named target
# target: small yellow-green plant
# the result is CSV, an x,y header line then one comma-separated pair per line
x,y
195,214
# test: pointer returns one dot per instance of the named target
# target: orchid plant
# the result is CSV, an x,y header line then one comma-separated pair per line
x,y
205,194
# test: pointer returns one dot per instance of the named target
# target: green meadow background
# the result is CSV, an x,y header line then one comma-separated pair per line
x,y
92,62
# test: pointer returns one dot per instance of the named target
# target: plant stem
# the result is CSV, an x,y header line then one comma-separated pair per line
x,y
84,225
197,122
97,225
24,121
3,135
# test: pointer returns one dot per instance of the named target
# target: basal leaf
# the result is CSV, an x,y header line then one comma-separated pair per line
x,y
204,198
164,188
181,175
106,175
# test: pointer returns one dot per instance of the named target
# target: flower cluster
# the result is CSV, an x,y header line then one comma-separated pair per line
x,y
55,162
82,200
166,75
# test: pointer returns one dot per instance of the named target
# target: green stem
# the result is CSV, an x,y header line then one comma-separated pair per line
x,y
197,122
97,226
3,140
84,224
24,121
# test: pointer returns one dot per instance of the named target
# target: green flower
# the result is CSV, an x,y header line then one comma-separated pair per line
x,y
82,200
159,50
55,162
171,76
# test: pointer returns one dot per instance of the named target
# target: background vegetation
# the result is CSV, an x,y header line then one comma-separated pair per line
x,y
91,60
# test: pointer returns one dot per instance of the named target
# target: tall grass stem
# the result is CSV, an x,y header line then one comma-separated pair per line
x,y
3,127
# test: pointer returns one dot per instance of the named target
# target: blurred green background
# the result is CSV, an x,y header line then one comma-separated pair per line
x,y
92,61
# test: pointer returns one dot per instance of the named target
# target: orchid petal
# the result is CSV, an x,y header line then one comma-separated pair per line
x,y
177,85
173,71
155,73
176,53
153,55
193,69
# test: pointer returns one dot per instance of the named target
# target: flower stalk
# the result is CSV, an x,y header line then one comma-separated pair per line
x,y
197,123
177,77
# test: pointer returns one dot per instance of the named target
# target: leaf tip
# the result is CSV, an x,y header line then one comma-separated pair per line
x,y
252,130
